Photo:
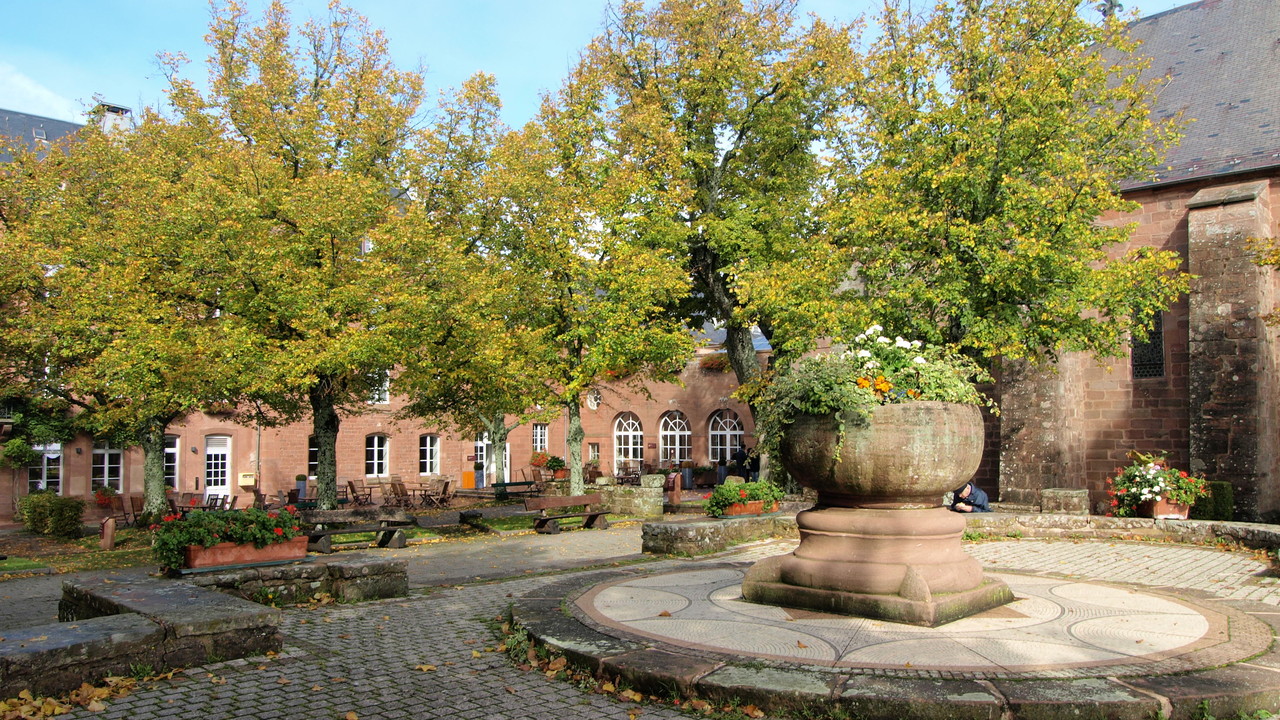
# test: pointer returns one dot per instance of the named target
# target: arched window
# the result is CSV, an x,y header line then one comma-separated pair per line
x,y
724,432
428,454
375,455
628,439
676,438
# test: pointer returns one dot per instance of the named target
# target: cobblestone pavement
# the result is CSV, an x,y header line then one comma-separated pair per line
x,y
364,659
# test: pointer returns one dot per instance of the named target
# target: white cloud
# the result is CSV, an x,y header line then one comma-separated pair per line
x,y
22,94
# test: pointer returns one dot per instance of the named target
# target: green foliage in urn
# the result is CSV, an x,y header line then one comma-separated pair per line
x,y
872,370
250,526
729,493
554,462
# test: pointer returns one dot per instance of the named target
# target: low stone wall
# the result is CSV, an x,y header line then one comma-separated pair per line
x,y
702,535
1252,535
642,501
348,579
110,624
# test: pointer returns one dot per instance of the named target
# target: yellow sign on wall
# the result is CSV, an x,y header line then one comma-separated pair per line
x,y
248,479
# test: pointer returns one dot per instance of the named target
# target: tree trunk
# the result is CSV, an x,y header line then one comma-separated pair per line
x,y
575,436
498,432
152,441
324,425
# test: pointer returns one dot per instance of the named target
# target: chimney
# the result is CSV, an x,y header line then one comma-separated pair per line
x,y
112,117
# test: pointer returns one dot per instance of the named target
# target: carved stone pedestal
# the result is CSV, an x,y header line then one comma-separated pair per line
x,y
879,544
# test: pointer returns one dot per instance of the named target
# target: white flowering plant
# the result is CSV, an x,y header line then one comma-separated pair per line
x,y
873,369
1150,478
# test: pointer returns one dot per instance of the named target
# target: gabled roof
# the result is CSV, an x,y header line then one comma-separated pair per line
x,y
1222,61
32,129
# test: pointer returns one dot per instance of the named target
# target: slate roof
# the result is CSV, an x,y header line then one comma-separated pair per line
x,y
1222,59
30,128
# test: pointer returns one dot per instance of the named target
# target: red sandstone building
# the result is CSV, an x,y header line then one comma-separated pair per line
x,y
1203,390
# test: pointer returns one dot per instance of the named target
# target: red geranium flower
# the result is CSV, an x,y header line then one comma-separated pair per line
x,y
742,493
278,531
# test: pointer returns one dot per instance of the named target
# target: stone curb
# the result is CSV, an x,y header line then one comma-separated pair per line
x,y
552,619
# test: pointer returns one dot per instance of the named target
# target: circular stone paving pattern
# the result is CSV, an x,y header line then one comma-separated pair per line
x,y
1054,628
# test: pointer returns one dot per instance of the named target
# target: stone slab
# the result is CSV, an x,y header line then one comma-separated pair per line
x,y
1071,699
182,609
51,659
658,671
794,689
885,698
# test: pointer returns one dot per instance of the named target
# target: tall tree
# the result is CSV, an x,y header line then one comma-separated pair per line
x,y
726,105
105,317
465,361
597,301
988,139
303,133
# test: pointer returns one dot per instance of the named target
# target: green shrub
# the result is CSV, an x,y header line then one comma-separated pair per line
x,y
66,517
34,509
47,513
1219,505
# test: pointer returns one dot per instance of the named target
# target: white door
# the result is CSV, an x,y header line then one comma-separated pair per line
x,y
217,466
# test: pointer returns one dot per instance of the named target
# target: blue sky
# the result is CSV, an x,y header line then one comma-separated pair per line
x,y
56,55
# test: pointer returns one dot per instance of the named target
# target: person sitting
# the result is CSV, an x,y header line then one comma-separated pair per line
x,y
970,498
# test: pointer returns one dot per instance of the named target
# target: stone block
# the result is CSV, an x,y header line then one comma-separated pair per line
x,y
52,659
1064,501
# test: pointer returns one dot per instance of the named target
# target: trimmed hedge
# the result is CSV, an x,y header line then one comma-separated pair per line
x,y
1220,503
47,513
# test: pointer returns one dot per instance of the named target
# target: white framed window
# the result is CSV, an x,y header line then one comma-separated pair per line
x,y
46,472
724,433
217,465
540,437
313,457
381,394
376,454
107,469
676,439
429,454
628,439
593,452
171,457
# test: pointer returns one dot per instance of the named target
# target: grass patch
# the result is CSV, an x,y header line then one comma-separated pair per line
x,y
518,523
101,560
409,533
17,564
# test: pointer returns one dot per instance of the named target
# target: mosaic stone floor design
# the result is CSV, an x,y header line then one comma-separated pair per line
x,y
1055,625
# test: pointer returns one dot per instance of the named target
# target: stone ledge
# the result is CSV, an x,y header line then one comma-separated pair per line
x,y
110,624
1251,535
702,535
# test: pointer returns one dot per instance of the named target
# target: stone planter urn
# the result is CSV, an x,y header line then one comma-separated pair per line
x,y
879,543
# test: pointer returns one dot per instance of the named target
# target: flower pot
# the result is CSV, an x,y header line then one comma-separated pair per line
x,y
879,543
227,553
560,474
1164,510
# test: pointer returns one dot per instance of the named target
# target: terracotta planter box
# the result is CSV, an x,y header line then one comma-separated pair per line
x,y
751,507
232,554
1164,510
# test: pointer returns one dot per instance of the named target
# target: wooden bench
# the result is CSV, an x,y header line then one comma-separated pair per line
x,y
501,491
388,523
550,524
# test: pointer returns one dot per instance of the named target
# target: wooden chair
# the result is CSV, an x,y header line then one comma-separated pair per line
x,y
359,496
119,511
401,493
135,506
230,505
